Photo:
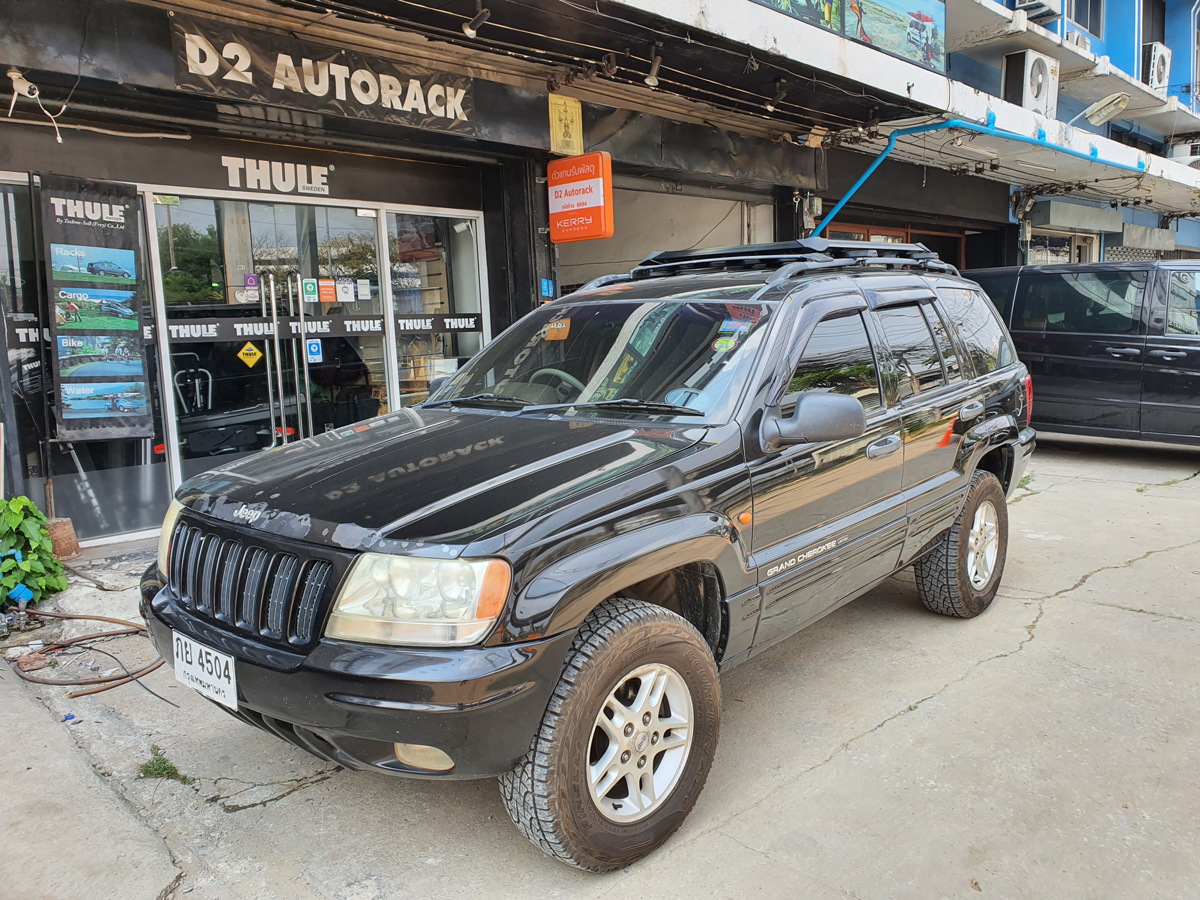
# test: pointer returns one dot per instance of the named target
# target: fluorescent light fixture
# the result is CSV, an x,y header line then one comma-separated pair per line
x,y
1038,166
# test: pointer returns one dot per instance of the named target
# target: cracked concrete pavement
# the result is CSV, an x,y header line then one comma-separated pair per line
x,y
1046,748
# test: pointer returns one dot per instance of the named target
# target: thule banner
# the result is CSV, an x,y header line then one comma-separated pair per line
x,y
94,278
245,64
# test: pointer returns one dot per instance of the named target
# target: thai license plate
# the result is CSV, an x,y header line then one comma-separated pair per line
x,y
211,673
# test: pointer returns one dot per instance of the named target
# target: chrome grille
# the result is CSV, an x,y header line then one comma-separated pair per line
x,y
267,592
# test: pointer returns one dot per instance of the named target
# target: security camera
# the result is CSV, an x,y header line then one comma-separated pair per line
x,y
22,85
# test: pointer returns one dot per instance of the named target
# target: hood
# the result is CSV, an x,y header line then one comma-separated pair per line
x,y
430,479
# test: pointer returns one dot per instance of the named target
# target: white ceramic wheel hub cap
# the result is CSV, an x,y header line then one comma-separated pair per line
x,y
640,743
983,544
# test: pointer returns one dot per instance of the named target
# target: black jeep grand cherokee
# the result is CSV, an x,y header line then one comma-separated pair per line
x,y
539,572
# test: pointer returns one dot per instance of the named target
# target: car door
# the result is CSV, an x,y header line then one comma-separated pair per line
x,y
937,404
828,517
1080,331
1171,372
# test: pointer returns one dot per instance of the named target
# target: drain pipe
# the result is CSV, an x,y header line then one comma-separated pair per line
x,y
975,128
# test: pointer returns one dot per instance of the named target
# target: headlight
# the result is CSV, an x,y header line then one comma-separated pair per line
x,y
404,600
164,536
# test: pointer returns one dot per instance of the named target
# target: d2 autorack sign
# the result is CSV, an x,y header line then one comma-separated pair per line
x,y
261,67
581,203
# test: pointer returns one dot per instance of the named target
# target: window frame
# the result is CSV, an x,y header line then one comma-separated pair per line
x,y
787,372
1095,29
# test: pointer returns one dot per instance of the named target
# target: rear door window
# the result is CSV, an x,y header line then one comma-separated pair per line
x,y
974,320
1080,302
837,359
1183,305
941,335
913,350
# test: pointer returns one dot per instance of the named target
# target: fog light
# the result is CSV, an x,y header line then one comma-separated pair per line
x,y
418,756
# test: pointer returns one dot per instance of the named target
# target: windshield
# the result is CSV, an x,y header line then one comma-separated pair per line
x,y
690,354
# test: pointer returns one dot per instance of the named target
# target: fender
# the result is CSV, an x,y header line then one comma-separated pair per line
x,y
560,596
998,431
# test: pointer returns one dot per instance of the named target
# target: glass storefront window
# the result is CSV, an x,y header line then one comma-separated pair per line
x,y
435,272
240,389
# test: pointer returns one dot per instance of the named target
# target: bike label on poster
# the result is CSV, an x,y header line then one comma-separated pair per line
x,y
90,229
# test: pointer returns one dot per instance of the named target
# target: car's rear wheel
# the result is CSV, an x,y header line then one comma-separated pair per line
x,y
960,574
626,743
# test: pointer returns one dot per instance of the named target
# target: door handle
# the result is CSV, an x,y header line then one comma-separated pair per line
x,y
1123,351
1168,354
884,447
972,410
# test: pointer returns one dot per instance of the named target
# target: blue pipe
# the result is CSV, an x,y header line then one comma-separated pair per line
x,y
990,129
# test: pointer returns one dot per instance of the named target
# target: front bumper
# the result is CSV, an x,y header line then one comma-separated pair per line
x,y
1022,450
349,703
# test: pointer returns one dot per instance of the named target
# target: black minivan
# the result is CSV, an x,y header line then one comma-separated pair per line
x,y
1114,348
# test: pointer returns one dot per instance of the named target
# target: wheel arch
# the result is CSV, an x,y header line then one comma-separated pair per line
x,y
689,566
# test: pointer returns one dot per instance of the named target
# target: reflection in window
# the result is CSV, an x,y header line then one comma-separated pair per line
x,y
944,343
1183,310
913,350
1080,302
974,320
837,359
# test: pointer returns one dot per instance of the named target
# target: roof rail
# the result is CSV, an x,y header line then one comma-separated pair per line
x,y
797,256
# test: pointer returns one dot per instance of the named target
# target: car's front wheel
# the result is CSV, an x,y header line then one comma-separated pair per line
x,y
626,743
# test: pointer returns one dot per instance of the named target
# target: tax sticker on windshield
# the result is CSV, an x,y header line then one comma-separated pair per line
x,y
558,330
724,343
739,325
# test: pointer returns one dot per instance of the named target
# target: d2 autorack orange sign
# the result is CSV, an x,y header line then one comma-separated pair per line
x,y
581,198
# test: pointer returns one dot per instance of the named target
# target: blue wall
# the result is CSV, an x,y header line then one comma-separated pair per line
x,y
1181,40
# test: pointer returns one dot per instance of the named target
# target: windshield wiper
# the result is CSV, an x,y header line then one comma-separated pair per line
x,y
485,397
631,403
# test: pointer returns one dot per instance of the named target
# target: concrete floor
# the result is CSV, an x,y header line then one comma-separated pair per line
x,y
1048,748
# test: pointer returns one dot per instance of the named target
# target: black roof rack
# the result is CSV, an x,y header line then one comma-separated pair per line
x,y
798,256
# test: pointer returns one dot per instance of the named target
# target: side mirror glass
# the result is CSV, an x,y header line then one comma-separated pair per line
x,y
817,417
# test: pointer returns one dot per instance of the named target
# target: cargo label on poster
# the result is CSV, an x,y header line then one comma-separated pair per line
x,y
90,229
242,63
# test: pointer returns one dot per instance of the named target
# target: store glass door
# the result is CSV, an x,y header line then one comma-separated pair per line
x,y
435,284
274,320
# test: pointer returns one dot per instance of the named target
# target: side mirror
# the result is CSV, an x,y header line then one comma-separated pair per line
x,y
435,384
817,417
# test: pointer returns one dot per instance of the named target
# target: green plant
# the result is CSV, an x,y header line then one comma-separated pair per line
x,y
23,528
158,766
1024,482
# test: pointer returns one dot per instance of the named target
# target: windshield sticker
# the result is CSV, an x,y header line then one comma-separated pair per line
x,y
724,343
739,325
558,331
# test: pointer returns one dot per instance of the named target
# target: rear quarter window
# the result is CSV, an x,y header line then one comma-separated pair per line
x,y
1079,302
975,322
999,289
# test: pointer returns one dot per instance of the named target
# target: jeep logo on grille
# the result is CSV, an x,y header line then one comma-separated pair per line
x,y
247,515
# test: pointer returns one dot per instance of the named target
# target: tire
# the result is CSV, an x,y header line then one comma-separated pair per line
x,y
549,794
948,579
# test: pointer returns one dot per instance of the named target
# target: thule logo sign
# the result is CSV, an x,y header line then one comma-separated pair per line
x,y
247,515
281,177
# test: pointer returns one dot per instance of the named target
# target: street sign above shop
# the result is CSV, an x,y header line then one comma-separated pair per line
x,y
581,202
247,64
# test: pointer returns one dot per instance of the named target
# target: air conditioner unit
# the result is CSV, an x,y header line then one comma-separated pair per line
x,y
1041,11
1031,80
1156,66
1186,153
1079,39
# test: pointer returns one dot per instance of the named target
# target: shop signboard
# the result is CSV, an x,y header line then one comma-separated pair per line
x,y
90,229
241,63
910,29
227,330
581,203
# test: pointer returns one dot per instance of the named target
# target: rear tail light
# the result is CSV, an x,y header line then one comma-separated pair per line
x,y
1028,399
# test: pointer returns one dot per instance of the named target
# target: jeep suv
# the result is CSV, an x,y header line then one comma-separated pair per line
x,y
540,572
